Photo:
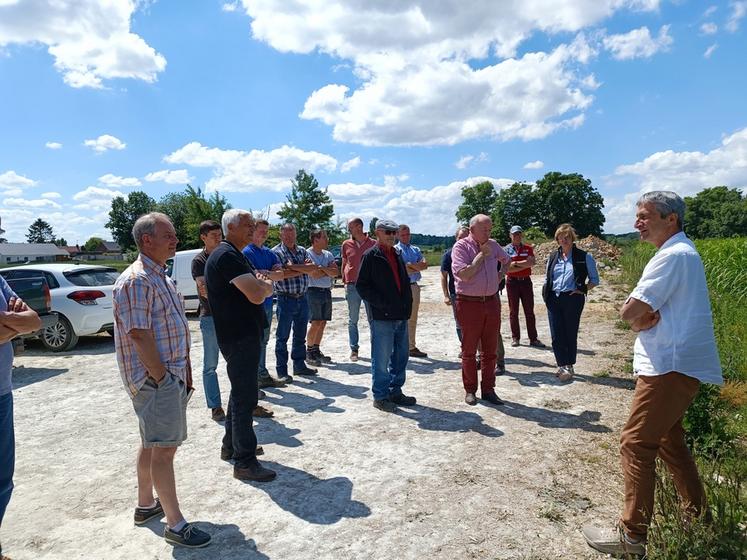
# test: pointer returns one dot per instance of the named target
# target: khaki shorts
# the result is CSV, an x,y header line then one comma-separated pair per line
x,y
161,410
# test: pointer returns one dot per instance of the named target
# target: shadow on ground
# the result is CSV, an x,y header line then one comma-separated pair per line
x,y
435,419
554,419
24,376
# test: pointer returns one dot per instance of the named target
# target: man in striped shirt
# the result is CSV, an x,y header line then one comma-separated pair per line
x,y
152,346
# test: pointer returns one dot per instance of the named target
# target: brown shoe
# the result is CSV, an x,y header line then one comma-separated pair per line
x,y
218,414
470,398
354,355
265,382
254,471
417,353
262,412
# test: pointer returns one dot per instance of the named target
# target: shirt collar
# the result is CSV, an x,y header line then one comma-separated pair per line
x,y
676,238
153,266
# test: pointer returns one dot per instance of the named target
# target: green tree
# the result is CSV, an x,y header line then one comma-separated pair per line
x,y
92,244
61,242
124,213
199,209
514,206
372,227
40,232
568,198
174,205
477,199
716,212
308,207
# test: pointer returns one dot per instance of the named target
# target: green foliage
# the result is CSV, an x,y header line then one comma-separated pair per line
x,y
308,207
61,242
477,199
372,226
197,210
40,232
175,206
514,206
124,213
568,198
535,236
716,212
92,244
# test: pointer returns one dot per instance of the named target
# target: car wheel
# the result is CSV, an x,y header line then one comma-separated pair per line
x,y
59,337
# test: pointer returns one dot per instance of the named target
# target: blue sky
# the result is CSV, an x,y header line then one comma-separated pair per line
x,y
394,106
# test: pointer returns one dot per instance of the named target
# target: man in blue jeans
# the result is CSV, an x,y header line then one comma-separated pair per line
x,y
352,252
293,309
383,282
15,318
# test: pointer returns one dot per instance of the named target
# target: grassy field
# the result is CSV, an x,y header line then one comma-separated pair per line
x,y
716,421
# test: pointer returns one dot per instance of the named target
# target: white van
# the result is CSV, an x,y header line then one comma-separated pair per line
x,y
180,270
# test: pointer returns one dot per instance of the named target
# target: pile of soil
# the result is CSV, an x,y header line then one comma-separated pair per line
x,y
603,252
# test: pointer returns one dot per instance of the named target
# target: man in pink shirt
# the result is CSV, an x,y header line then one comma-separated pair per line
x,y
474,262
352,252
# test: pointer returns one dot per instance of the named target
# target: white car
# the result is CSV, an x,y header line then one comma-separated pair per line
x,y
180,269
81,296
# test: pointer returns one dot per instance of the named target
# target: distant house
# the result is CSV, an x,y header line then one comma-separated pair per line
x,y
16,253
106,250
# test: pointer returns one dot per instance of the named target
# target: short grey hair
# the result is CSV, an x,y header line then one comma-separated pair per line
x,y
479,217
232,217
665,202
146,225
287,225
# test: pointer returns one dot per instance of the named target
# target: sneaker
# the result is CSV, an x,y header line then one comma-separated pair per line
x,y
306,371
253,471
218,414
384,404
189,537
227,454
354,355
491,398
262,412
143,515
500,369
312,359
563,374
537,343
285,379
323,357
268,381
515,342
612,541
470,398
402,399
417,353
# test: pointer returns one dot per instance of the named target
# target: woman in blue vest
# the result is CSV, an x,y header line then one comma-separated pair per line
x,y
571,274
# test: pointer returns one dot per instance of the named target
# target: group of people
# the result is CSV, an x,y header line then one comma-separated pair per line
x,y
237,277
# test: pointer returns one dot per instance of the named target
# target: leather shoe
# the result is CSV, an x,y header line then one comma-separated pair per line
x,y
262,412
537,343
491,398
265,382
402,399
470,398
384,404
416,353
305,371
285,379
253,471
515,342
500,369
354,355
218,414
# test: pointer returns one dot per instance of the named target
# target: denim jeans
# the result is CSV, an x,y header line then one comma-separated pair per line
x,y
564,314
242,360
389,355
354,308
210,362
263,373
292,313
7,452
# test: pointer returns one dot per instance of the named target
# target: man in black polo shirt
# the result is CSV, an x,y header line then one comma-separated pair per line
x,y
236,294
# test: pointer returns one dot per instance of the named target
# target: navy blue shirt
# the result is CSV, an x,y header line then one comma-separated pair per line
x,y
446,267
6,348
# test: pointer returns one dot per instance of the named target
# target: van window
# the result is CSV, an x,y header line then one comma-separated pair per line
x,y
170,267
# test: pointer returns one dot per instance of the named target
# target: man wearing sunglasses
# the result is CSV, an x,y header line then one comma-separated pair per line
x,y
383,282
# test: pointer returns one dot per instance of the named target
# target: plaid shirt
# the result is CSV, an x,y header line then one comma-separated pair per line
x,y
299,284
145,298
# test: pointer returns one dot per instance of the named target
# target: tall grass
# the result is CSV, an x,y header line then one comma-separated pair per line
x,y
716,422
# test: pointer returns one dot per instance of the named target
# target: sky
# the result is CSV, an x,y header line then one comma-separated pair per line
x,y
393,105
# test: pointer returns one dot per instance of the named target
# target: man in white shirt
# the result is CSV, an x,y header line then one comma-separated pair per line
x,y
319,295
674,353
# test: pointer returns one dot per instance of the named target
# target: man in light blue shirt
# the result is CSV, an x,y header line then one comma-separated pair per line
x,y
415,263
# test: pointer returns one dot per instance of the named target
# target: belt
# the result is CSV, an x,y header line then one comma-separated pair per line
x,y
293,296
318,288
463,297
518,279
413,283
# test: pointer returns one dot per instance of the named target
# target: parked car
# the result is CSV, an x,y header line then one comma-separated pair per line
x,y
180,269
35,293
81,295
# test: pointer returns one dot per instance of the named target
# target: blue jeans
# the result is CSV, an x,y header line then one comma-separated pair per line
x,y
263,373
292,312
389,355
7,452
354,308
210,362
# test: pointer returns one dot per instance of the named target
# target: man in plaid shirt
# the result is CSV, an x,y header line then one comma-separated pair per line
x,y
293,309
152,341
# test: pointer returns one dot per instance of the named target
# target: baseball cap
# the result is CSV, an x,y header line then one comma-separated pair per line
x,y
387,225
516,229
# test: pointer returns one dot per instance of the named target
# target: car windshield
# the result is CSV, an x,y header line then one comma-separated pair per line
x,y
93,276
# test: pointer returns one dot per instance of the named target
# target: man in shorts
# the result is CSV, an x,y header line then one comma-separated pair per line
x,y
319,296
151,340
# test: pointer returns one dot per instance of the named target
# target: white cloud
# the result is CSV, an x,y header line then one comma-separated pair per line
x,y
172,177
96,192
638,43
710,11
738,11
683,172
90,40
26,203
709,51
116,181
537,164
53,145
709,28
51,195
350,164
238,171
230,6
14,192
413,63
464,161
12,180
105,142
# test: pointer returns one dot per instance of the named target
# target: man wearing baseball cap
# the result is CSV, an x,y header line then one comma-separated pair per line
x,y
383,282
519,287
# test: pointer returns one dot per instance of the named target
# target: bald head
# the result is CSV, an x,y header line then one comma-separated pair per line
x,y
480,226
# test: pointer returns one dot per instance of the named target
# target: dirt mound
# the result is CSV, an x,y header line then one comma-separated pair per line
x,y
602,252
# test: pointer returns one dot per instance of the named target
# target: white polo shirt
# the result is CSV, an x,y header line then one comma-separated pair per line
x,y
674,284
